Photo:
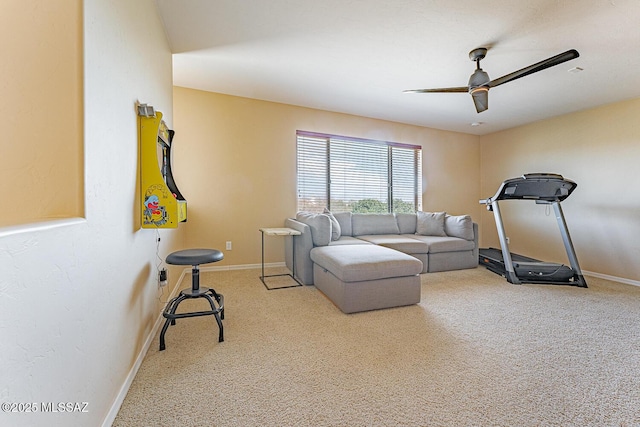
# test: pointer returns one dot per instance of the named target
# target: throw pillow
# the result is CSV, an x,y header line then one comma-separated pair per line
x,y
335,225
459,226
430,223
320,226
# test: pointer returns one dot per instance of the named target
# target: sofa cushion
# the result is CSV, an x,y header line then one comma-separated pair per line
x,y
401,243
439,244
320,225
344,219
459,226
374,224
356,263
430,223
349,240
406,223
335,225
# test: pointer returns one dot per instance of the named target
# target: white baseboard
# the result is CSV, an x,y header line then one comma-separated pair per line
x,y
117,402
240,267
282,264
612,278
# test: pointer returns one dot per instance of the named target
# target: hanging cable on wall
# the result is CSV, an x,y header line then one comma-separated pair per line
x,y
161,272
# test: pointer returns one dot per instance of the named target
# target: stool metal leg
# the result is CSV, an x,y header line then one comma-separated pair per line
x,y
173,305
220,299
216,314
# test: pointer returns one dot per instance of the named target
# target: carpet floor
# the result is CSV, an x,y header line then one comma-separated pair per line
x,y
476,351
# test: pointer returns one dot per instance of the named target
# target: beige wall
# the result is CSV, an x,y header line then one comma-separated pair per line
x,y
79,298
599,149
41,107
235,163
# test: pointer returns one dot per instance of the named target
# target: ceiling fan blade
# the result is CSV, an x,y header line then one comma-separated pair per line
x,y
539,66
480,98
441,90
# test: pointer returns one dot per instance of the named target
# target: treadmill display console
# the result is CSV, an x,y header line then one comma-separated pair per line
x,y
544,187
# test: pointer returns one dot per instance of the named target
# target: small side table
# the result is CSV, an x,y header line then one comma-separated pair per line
x,y
281,232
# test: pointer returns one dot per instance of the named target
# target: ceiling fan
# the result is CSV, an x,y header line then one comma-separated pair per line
x,y
479,83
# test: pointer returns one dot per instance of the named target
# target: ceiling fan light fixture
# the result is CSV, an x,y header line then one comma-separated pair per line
x,y
480,97
478,89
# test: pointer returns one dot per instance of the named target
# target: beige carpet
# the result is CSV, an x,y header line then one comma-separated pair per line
x,y
477,351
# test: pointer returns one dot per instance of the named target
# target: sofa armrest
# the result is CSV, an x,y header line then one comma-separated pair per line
x,y
303,246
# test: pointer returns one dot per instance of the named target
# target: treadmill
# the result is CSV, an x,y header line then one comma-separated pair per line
x,y
543,188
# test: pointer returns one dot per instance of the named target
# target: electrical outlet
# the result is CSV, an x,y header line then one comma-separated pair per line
x,y
507,240
229,246
162,277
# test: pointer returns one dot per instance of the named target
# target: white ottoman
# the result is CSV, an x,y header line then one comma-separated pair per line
x,y
366,277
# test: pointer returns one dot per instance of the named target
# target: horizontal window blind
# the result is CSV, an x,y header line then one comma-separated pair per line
x,y
357,175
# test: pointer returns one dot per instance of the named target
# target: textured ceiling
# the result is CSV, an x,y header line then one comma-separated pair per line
x,y
357,56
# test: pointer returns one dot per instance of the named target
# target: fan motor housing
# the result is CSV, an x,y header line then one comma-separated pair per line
x,y
478,54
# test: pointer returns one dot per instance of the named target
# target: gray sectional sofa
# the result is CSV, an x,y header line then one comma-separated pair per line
x,y
368,261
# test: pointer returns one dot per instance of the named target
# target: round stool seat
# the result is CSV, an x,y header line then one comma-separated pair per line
x,y
194,256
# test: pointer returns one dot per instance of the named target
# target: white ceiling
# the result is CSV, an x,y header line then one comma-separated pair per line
x,y
357,56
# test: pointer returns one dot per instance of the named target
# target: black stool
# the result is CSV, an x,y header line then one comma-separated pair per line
x,y
194,257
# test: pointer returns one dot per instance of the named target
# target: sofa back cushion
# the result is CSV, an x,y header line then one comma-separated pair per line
x,y
320,225
406,223
459,226
374,224
430,223
344,219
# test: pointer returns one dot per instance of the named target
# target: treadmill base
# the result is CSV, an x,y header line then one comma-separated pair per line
x,y
530,270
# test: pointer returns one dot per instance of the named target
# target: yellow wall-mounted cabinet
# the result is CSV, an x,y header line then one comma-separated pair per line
x,y
162,204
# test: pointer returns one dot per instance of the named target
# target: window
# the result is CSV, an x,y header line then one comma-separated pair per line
x,y
357,175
